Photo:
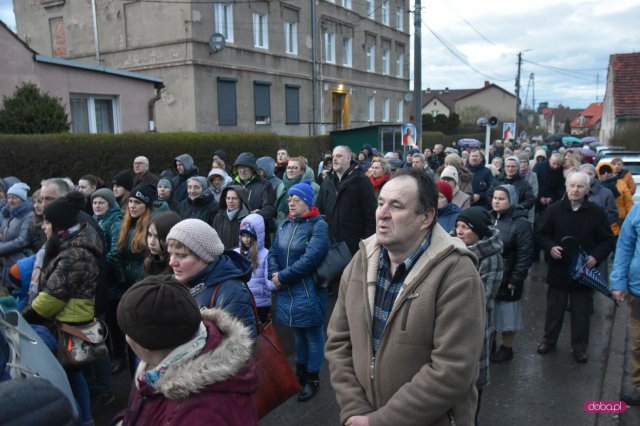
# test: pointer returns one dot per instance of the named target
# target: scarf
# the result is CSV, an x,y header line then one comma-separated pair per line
x,y
378,182
185,352
313,211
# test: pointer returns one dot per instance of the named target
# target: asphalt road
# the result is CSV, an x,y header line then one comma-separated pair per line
x,y
531,389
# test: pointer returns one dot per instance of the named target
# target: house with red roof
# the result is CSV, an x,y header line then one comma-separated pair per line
x,y
587,122
621,106
552,120
491,97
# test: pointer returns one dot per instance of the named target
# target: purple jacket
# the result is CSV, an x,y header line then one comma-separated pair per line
x,y
259,284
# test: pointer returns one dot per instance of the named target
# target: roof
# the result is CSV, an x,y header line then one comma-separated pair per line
x,y
450,96
592,114
81,65
626,83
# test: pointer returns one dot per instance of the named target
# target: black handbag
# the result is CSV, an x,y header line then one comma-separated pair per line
x,y
331,268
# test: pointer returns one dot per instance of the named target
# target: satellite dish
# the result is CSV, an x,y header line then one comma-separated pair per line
x,y
217,42
408,97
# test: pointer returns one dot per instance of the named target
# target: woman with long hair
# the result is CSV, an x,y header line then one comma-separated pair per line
x,y
157,261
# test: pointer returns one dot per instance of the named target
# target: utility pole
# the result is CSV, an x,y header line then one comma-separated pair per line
x,y
533,100
417,71
95,31
518,88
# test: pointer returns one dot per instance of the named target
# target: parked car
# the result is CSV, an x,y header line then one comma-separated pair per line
x,y
631,160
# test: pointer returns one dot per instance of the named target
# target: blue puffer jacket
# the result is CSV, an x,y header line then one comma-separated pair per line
x,y
447,216
299,247
625,275
259,284
230,272
14,235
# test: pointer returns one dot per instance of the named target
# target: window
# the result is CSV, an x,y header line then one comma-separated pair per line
x,y
400,65
347,51
370,9
260,31
385,12
400,18
346,4
386,66
330,47
95,114
371,110
371,58
385,109
227,115
292,104
262,101
224,20
291,37
399,111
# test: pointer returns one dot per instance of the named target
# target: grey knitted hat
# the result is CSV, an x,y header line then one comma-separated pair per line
x,y
105,193
198,237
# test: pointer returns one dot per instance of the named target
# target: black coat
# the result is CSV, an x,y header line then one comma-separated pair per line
x,y
550,183
588,225
349,206
517,251
204,208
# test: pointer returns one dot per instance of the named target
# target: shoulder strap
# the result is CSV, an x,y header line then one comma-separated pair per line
x,y
214,295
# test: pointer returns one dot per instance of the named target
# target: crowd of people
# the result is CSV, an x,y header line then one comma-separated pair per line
x,y
176,263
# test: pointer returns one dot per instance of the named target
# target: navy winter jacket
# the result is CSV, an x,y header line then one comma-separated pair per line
x,y
300,245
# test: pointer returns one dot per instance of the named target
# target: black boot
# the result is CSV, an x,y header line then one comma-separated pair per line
x,y
310,387
301,374
503,354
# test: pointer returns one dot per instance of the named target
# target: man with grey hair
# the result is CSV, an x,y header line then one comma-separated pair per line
x,y
347,200
54,188
418,160
586,223
142,175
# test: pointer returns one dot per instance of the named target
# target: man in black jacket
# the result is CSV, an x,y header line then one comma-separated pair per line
x,y
586,222
347,200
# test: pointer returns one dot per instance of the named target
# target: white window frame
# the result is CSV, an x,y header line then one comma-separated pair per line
x,y
347,51
400,111
385,12
91,113
386,109
400,18
291,37
400,65
346,4
371,9
371,58
386,62
330,47
224,20
260,31
371,109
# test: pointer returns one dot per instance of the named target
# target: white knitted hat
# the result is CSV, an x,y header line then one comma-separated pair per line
x,y
198,237
451,173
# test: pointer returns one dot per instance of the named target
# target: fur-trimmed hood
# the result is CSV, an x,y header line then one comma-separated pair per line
x,y
224,365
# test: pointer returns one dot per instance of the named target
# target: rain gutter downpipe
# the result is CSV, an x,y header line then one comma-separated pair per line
x,y
152,107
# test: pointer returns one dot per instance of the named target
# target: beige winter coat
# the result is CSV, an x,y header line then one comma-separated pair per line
x,y
425,370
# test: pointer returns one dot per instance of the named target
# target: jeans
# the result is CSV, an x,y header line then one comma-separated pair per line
x,y
80,390
633,303
310,347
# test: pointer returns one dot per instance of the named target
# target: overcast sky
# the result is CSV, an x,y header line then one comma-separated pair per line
x,y
569,40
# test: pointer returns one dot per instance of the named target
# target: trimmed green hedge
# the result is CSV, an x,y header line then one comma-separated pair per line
x,y
32,158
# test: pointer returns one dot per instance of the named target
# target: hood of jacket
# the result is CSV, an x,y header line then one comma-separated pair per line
x,y
187,161
449,209
218,172
86,238
268,165
257,222
244,159
242,193
20,210
224,365
488,246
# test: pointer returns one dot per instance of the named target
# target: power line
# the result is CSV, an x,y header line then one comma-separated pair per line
x,y
453,51
470,25
563,71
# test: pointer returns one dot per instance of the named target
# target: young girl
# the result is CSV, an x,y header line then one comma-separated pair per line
x,y
252,247
157,261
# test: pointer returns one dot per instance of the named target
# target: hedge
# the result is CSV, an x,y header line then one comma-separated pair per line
x,y
32,158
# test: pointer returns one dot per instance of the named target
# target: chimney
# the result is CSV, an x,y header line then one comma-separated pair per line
x,y
446,90
486,83
428,89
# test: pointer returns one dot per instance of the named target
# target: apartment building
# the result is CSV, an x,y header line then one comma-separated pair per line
x,y
295,67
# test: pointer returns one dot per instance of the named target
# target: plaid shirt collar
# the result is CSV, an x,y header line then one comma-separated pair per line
x,y
408,263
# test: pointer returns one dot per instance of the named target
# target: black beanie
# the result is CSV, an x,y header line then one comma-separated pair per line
x,y
146,193
159,313
478,219
63,212
124,179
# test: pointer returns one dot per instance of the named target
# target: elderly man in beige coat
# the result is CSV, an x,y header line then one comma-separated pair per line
x,y
407,330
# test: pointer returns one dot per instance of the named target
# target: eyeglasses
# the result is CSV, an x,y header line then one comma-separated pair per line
x,y
293,167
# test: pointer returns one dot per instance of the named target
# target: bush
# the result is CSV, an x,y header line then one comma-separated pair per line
x,y
30,112
35,157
